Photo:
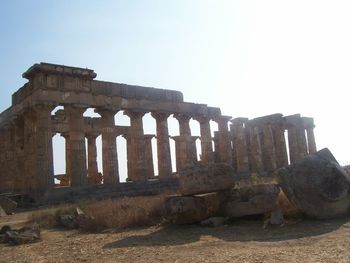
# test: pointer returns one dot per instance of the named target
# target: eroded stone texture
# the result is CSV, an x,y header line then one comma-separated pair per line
x,y
93,176
163,146
109,146
206,140
205,178
78,170
317,185
137,147
149,156
240,144
191,209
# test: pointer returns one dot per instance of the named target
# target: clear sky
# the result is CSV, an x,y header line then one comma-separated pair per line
x,y
250,58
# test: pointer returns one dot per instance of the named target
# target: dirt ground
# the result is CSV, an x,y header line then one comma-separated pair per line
x,y
240,241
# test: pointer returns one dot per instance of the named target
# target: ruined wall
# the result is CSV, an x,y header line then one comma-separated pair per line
x,y
27,128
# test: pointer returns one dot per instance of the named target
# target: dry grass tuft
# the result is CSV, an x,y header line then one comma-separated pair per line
x,y
48,217
111,213
127,211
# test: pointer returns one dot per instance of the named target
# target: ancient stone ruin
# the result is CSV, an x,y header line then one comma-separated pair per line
x,y
256,146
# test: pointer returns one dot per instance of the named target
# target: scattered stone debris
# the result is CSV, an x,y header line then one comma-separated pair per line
x,y
253,200
78,220
214,221
8,205
67,221
85,222
191,209
317,185
2,212
20,236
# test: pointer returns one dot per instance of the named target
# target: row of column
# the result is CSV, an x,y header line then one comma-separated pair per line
x,y
260,146
139,149
247,146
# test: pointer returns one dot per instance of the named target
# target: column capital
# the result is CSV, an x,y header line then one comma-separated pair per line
x,y
160,115
92,135
134,114
149,136
222,118
239,121
65,135
176,138
202,118
182,117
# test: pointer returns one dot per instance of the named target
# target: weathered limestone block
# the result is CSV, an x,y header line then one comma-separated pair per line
x,y
191,209
252,200
205,178
317,185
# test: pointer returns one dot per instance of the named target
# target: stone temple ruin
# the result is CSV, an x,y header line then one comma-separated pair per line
x,y
258,145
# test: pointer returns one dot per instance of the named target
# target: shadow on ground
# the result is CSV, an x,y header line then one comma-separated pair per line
x,y
240,230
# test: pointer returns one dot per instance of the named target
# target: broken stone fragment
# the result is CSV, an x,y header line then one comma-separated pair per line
x,y
68,221
2,212
253,200
191,209
7,204
214,221
317,185
23,235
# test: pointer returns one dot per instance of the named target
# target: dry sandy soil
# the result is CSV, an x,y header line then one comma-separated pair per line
x,y
240,241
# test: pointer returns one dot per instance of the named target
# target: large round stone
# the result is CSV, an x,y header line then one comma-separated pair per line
x,y
317,185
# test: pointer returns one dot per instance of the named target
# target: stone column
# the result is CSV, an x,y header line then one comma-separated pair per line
x,y
193,149
225,150
43,148
216,146
280,145
137,146
109,146
18,145
77,155
178,153
65,135
256,164
149,155
163,146
129,157
309,126
206,141
93,177
240,144
183,143
296,138
311,140
268,148
28,148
